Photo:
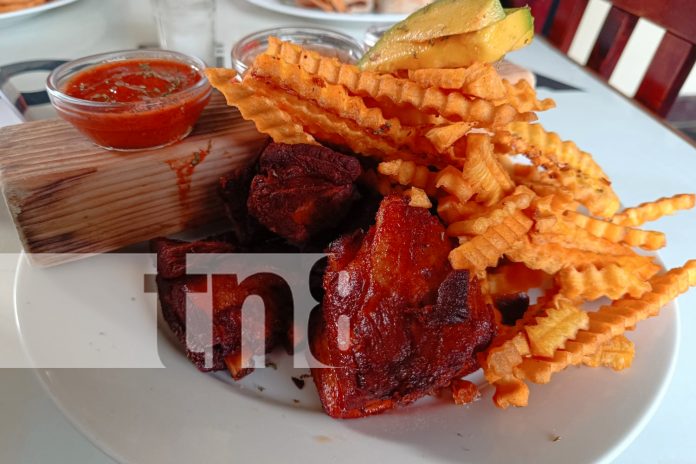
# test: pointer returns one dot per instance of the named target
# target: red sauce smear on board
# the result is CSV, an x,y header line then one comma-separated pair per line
x,y
183,168
152,107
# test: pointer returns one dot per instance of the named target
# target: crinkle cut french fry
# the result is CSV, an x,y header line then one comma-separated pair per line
x,y
543,168
418,198
325,125
595,193
263,111
520,173
409,173
510,391
591,282
450,209
483,171
556,203
517,200
575,169
551,145
409,116
444,137
551,258
539,371
486,249
453,182
523,98
563,233
479,80
504,355
610,321
547,259
587,191
451,105
580,239
617,353
560,323
542,187
335,98
653,210
646,239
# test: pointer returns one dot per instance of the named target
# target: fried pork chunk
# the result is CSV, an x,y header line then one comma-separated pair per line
x,y
302,190
175,287
397,323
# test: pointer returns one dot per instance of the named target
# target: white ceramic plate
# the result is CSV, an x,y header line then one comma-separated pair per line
x,y
289,8
10,17
178,414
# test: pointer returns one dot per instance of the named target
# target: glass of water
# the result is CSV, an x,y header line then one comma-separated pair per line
x,y
187,26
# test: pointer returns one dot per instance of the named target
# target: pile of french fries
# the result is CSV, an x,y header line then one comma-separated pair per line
x,y
528,209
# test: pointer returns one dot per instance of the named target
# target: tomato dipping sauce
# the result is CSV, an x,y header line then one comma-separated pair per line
x,y
132,80
141,99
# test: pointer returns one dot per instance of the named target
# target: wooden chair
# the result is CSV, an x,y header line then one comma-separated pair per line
x,y
558,20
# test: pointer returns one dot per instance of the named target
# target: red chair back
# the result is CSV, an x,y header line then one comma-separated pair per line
x,y
673,60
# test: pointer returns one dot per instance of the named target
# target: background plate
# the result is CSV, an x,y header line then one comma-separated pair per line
x,y
10,17
315,13
178,414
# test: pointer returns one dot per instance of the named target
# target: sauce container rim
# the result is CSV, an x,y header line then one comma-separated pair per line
x,y
72,68
351,44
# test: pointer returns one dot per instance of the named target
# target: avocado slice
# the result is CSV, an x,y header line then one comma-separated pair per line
x,y
485,45
445,17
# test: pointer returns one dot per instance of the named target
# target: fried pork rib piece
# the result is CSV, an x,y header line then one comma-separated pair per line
x,y
414,323
302,190
234,192
174,287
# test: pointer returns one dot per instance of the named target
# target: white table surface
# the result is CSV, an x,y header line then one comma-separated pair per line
x,y
645,159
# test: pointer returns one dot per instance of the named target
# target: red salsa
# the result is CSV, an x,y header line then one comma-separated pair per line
x,y
132,80
150,102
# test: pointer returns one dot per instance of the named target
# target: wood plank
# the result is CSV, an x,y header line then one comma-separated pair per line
x,y
565,22
612,40
666,74
677,16
68,197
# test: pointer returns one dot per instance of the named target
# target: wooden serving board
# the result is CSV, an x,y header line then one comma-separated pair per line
x,y
69,197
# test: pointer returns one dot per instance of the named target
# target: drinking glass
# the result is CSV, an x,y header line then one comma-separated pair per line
x,y
187,26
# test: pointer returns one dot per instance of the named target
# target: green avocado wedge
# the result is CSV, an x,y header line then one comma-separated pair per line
x,y
445,17
486,45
